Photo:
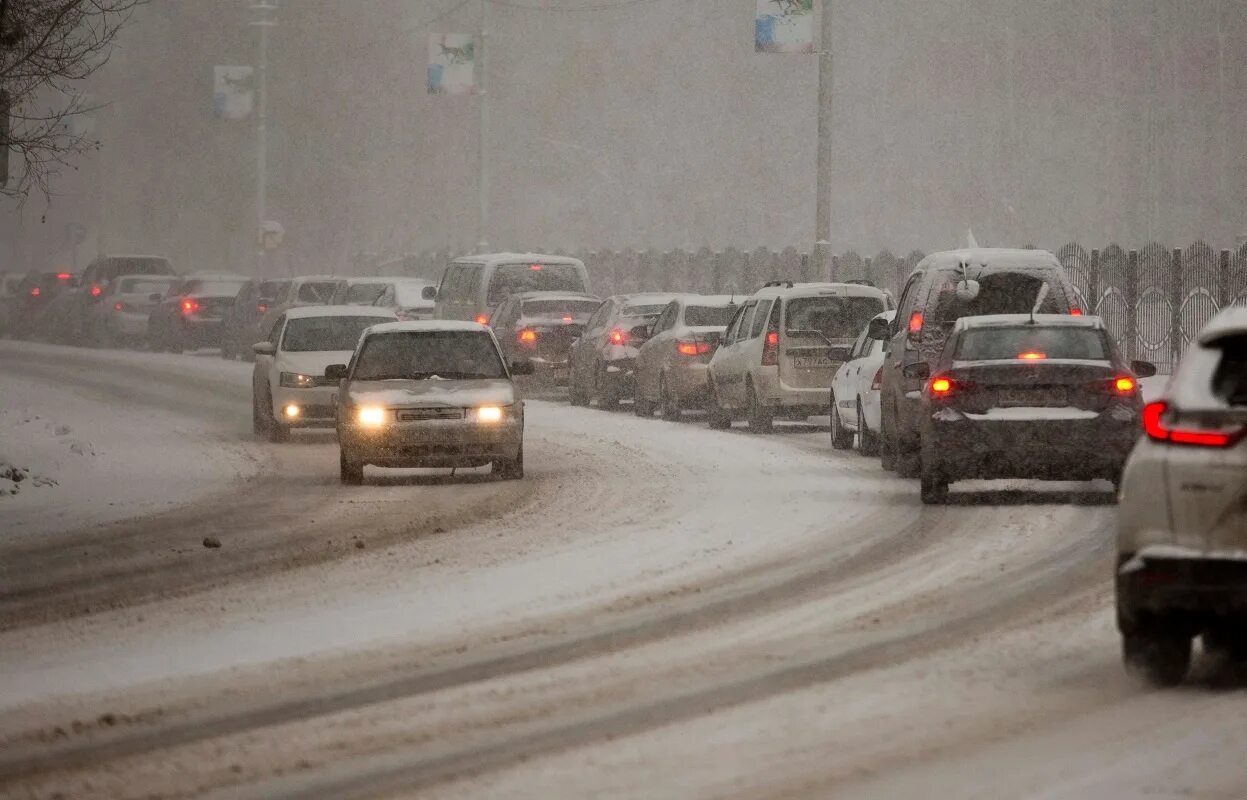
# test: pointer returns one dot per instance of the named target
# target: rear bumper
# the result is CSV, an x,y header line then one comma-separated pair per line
x,y
125,323
811,400
1199,586
432,443
620,376
690,382
1068,449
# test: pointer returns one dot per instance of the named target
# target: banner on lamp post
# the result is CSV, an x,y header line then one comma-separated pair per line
x,y
452,63
784,26
233,90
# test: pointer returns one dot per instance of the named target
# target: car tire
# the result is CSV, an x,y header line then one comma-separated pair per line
x,y
509,469
1157,654
934,483
672,410
761,418
908,461
717,417
259,422
867,440
841,437
350,473
276,431
575,395
887,444
642,408
606,397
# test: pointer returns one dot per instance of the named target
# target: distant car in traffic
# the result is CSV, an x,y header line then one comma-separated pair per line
x,y
29,308
288,383
429,394
191,315
603,359
360,290
855,393
943,288
779,354
409,298
1041,396
120,318
672,367
10,283
303,290
1182,518
95,285
241,325
539,328
472,287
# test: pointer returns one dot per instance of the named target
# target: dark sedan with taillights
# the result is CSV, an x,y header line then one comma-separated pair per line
x,y
192,313
539,327
1043,397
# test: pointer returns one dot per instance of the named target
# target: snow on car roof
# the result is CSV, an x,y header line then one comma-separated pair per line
x,y
552,295
508,258
305,278
428,325
1228,322
991,257
1013,320
302,312
713,299
825,288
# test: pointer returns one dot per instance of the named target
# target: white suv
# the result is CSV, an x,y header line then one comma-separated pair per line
x,y
781,350
1182,535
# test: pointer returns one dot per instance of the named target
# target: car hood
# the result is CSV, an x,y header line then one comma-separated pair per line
x,y
311,363
460,393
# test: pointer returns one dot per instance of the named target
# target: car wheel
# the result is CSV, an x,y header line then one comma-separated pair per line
x,y
841,437
908,459
642,407
1157,654
671,408
509,469
606,397
575,395
350,472
887,444
761,418
259,422
867,440
717,416
934,483
277,431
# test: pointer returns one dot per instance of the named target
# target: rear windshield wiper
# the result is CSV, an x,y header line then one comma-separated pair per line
x,y
819,334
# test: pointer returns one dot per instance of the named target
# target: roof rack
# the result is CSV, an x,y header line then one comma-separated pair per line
x,y
785,284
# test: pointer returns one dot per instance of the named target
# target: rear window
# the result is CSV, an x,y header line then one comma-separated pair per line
x,y
113,267
1229,381
143,286
999,293
273,289
560,308
1030,342
708,316
411,295
516,278
314,334
423,355
317,292
643,311
364,294
833,317
220,287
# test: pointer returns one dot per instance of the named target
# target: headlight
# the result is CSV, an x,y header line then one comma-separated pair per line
x,y
371,416
295,380
490,415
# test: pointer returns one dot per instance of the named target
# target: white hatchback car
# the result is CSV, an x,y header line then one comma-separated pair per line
x,y
855,394
289,387
1182,523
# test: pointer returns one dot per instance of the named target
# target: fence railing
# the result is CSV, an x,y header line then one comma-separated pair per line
x,y
1154,300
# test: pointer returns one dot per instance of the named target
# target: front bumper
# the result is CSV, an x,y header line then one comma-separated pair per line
x,y
432,443
1196,586
1049,449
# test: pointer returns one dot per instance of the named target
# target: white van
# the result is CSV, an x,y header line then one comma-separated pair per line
x,y
473,286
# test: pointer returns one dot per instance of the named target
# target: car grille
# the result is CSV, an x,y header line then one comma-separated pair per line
x,y
421,414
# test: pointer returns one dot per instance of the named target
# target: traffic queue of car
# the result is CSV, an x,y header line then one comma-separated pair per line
x,y
987,366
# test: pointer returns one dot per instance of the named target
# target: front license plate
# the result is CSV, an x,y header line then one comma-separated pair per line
x,y
811,362
1031,397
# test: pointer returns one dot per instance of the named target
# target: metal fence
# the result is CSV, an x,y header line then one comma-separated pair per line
x,y
1154,299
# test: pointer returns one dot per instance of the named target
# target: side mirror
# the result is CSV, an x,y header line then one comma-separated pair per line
x,y
429,293
1143,369
264,349
879,330
920,370
154,297
336,372
639,334
522,368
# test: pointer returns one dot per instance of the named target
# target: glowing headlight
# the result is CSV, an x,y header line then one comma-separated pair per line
x,y
292,411
489,414
295,380
372,416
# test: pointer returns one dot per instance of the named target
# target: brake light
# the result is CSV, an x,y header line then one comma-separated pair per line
x,y
35,291
527,336
568,319
1125,385
120,306
916,321
262,307
941,387
97,290
1075,312
770,346
1155,426
692,348
618,337
877,382
482,319
63,276
535,268
190,306
1032,355
772,339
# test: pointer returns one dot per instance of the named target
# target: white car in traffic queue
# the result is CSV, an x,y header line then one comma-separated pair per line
x,y
289,385
855,405
1182,512
429,394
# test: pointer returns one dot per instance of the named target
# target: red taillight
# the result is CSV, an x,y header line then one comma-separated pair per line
x,y
915,323
692,348
1125,385
618,337
877,383
528,336
1075,312
262,307
770,349
772,339
97,290
35,291
1155,426
120,306
63,276
1032,355
941,387
482,319
535,268
568,319
190,306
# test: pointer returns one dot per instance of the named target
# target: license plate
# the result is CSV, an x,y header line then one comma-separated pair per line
x,y
1031,397
811,362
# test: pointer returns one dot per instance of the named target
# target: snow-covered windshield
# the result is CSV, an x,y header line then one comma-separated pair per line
x,y
999,293
224,288
516,278
1031,342
708,316
418,355
579,310
643,311
833,317
313,334
317,291
144,285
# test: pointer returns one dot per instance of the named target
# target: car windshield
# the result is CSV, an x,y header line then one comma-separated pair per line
x,y
833,317
428,355
216,286
577,309
314,334
364,294
317,291
143,286
1031,343
512,279
708,316
1229,381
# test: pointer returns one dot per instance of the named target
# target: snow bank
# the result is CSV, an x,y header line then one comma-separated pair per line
x,y
34,452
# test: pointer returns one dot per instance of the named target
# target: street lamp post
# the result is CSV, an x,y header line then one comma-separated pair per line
x,y
265,21
482,233
822,203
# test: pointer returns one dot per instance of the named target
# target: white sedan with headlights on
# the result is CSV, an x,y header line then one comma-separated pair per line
x,y
429,394
289,385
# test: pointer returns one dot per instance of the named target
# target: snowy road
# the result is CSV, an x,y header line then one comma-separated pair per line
x,y
658,611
